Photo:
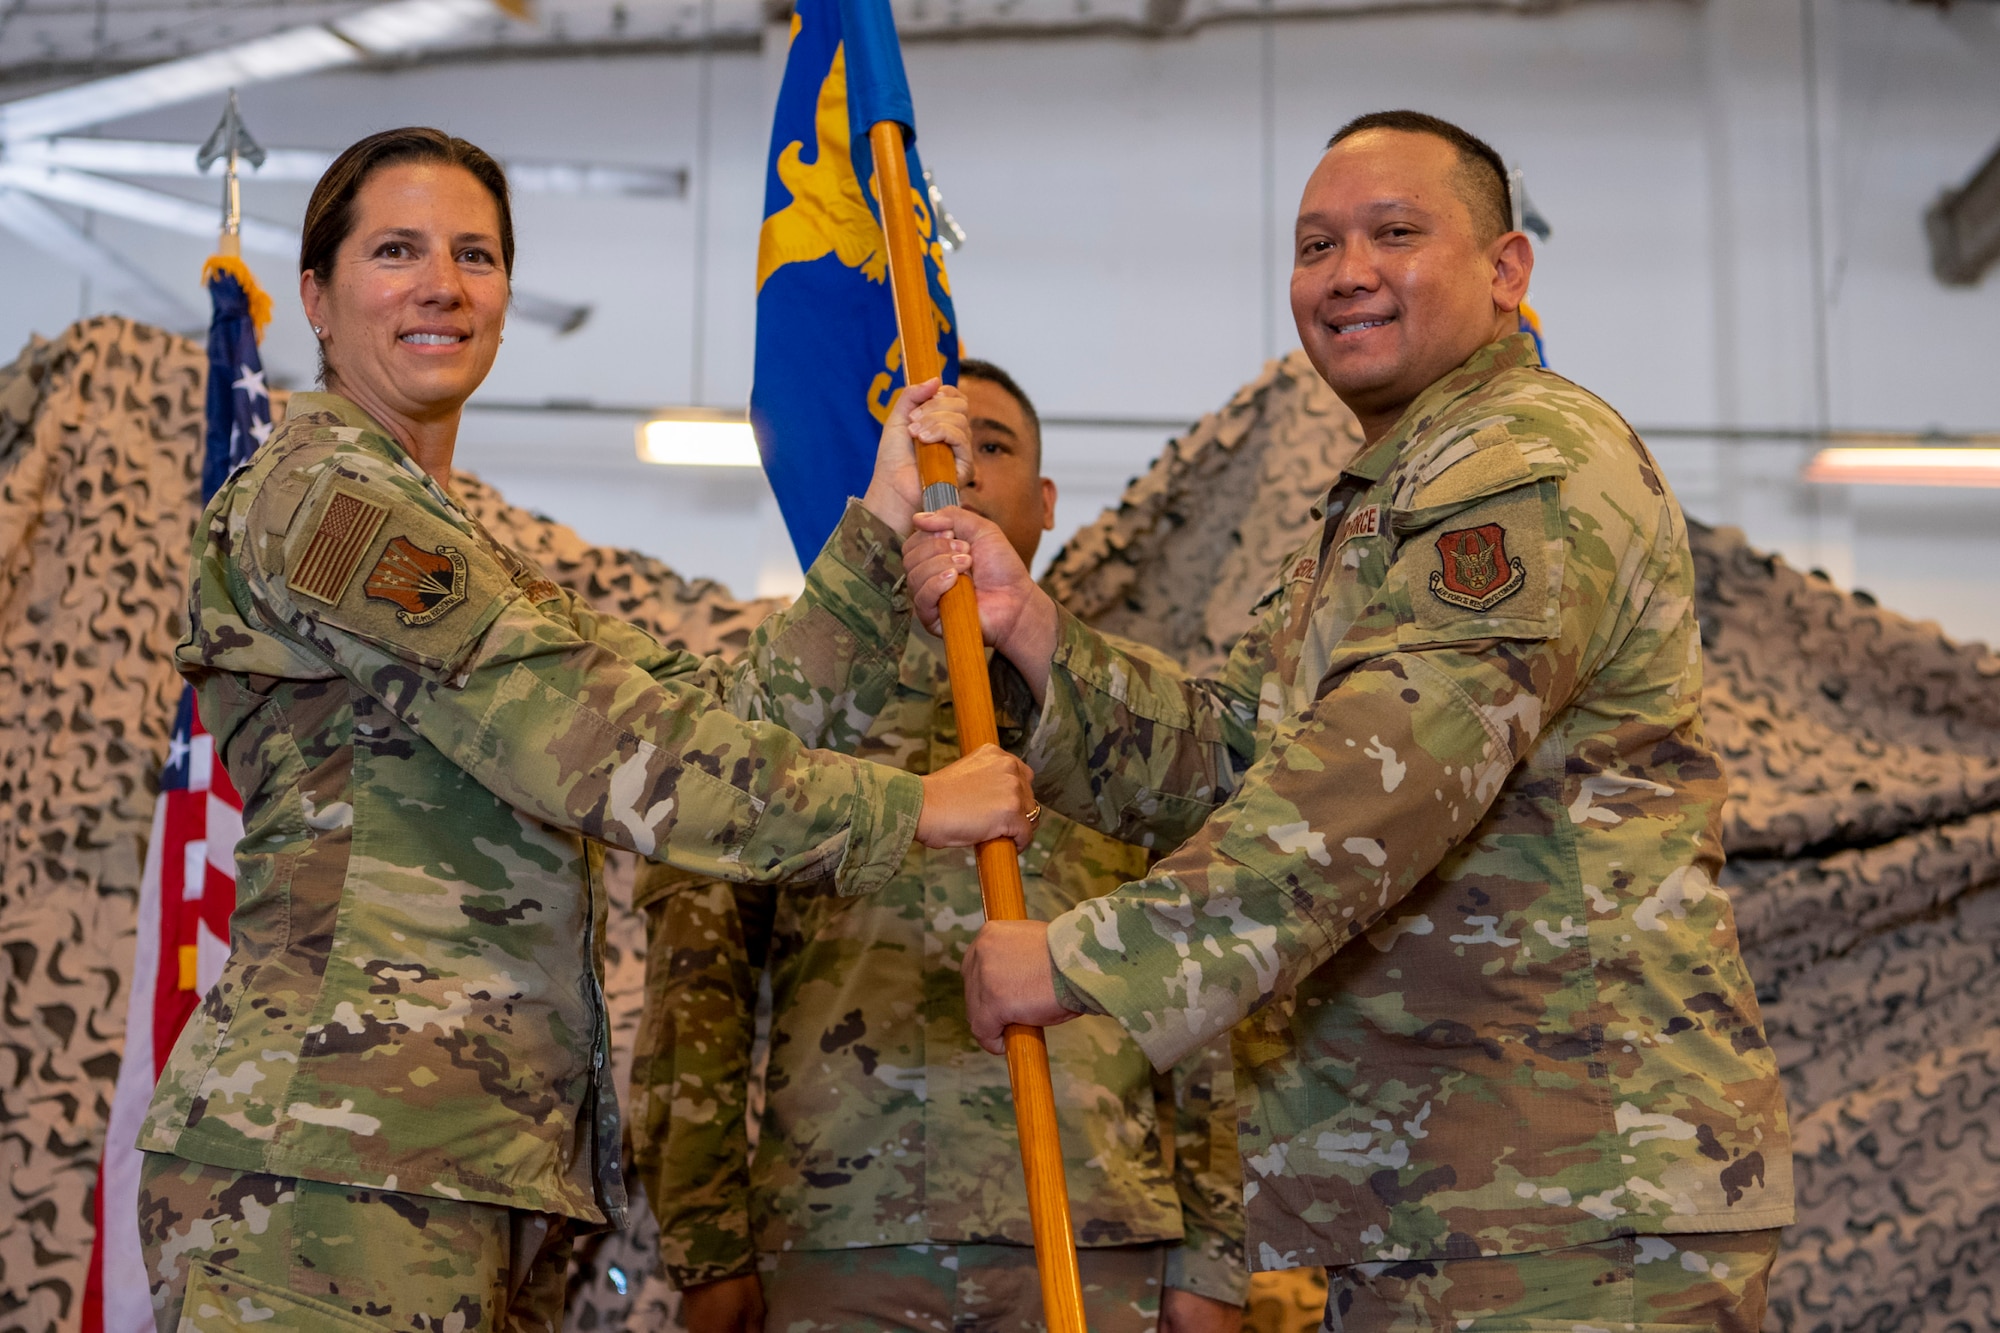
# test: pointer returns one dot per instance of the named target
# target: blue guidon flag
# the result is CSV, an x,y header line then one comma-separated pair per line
x,y
188,886
829,361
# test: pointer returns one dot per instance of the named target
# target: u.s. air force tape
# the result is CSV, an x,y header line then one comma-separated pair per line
x,y
939,494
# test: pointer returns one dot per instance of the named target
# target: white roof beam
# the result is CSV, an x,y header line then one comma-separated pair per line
x,y
56,236
383,30
146,157
153,207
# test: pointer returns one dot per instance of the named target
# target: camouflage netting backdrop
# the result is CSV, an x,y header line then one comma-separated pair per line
x,y
1864,824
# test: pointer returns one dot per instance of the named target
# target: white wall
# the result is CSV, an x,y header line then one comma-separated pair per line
x,y
1736,187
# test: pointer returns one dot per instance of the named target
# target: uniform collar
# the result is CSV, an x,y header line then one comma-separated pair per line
x,y
1512,352
349,413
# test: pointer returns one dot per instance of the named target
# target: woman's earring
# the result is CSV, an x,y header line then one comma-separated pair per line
x,y
320,332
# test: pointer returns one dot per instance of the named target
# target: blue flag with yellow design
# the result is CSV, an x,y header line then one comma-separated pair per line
x,y
829,361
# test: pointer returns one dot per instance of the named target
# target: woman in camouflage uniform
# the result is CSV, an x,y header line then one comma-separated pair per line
x,y
394,1107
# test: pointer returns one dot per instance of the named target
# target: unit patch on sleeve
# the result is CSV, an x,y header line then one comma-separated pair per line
x,y
1491,571
423,584
1476,573
346,526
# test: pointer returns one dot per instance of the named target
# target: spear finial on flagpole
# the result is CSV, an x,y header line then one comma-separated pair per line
x,y
231,141
231,144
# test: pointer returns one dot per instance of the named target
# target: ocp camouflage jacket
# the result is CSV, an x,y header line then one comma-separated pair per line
x,y
1451,839
883,1121
431,740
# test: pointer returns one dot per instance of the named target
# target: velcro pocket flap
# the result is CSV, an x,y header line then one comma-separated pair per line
x,y
1495,465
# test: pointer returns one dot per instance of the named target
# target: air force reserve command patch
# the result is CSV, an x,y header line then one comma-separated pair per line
x,y
424,584
1487,568
1477,573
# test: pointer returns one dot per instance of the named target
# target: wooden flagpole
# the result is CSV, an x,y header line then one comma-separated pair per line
x,y
972,696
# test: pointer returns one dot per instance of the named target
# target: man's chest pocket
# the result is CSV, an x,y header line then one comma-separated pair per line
x,y
1340,603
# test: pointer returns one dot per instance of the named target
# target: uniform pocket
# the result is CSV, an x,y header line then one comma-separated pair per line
x,y
1358,1322
219,1301
1067,863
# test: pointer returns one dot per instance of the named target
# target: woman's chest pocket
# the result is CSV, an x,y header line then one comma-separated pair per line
x,y
1068,863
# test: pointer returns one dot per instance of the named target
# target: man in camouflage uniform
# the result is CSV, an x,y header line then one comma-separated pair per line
x,y
394,1107
886,1189
1448,822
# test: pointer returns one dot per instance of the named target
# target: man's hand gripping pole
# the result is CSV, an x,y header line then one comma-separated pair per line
x,y
972,695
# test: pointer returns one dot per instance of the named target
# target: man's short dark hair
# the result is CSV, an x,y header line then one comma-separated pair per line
x,y
971,368
1481,175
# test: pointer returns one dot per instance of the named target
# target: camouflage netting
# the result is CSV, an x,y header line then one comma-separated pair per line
x,y
1864,824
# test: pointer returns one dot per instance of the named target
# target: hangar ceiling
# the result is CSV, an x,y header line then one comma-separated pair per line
x,y
62,40
58,41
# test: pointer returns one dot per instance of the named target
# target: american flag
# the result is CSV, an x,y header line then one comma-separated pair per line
x,y
188,888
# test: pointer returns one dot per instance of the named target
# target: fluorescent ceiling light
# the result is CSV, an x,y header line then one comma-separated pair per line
x,y
562,316
387,29
1906,467
588,178
281,55
147,157
695,437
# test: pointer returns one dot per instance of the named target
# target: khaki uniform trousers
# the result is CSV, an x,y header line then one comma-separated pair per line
x,y
952,1289
234,1249
1632,1284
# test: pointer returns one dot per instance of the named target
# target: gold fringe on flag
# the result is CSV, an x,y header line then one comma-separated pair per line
x,y
260,300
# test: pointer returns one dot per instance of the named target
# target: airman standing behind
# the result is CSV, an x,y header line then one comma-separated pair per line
x,y
886,1188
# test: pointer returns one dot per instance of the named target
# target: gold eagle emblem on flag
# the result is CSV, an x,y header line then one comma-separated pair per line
x,y
827,214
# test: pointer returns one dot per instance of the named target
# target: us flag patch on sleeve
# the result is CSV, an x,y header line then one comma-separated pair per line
x,y
346,527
